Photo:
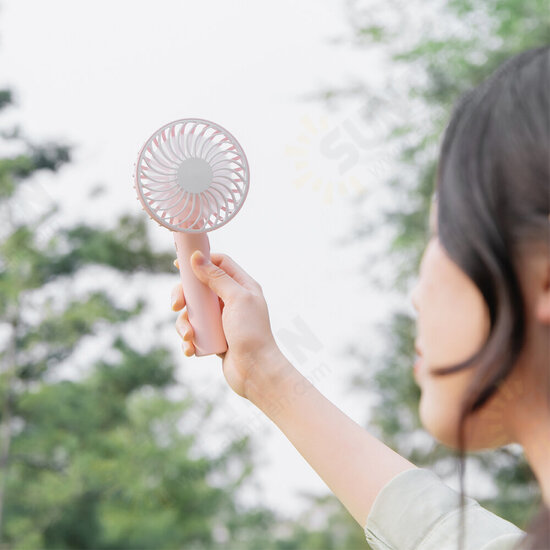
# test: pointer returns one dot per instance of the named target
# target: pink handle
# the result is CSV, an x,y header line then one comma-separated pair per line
x,y
202,303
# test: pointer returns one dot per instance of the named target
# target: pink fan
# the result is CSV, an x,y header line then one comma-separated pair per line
x,y
192,177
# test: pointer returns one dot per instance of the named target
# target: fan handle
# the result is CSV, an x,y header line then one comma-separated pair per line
x,y
202,303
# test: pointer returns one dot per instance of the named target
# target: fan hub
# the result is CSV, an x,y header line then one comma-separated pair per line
x,y
194,175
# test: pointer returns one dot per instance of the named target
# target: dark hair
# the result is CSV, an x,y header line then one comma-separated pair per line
x,y
493,195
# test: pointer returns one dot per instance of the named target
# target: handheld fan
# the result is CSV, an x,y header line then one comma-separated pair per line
x,y
192,176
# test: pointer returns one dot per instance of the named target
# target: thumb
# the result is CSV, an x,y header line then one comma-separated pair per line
x,y
214,276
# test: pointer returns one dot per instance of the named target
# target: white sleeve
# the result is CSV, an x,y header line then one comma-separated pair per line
x,y
415,510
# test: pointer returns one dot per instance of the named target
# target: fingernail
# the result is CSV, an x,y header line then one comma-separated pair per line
x,y
201,259
175,263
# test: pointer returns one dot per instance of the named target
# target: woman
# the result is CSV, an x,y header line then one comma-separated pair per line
x,y
483,331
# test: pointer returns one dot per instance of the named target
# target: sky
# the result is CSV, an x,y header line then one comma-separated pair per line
x,y
102,76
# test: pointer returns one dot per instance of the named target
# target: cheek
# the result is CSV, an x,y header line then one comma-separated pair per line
x,y
453,324
455,320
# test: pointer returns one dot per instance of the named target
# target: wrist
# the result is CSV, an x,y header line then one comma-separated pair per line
x,y
266,382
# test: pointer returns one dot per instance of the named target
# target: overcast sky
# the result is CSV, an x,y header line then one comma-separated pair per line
x,y
103,75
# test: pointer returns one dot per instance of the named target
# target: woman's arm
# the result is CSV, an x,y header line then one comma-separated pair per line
x,y
354,464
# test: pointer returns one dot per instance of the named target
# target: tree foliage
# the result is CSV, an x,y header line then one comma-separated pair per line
x,y
102,458
434,52
440,51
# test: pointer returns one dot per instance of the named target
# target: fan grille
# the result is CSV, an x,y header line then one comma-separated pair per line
x,y
192,175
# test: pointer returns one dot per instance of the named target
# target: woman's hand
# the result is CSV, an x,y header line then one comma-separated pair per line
x,y
245,318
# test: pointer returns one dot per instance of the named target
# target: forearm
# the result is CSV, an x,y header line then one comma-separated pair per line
x,y
354,464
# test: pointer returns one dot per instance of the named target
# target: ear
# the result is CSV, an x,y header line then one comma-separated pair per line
x,y
543,294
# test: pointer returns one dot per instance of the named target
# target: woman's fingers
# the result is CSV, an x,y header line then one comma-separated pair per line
x,y
185,330
188,349
234,270
183,326
177,298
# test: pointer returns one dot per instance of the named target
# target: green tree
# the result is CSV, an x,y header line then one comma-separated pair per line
x,y
439,53
104,458
434,53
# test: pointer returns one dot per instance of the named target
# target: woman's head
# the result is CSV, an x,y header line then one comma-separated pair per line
x,y
483,296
